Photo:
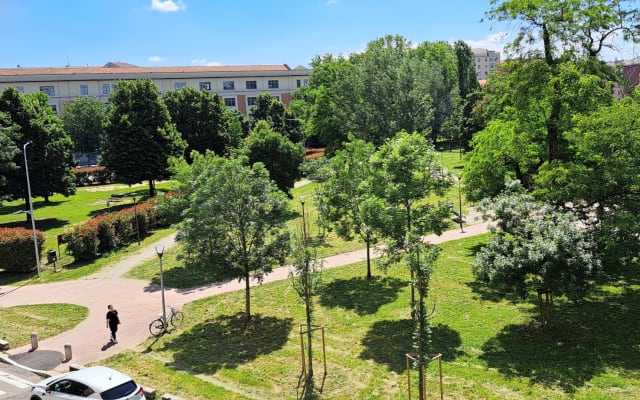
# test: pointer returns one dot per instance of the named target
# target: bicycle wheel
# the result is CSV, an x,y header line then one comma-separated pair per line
x,y
177,318
156,327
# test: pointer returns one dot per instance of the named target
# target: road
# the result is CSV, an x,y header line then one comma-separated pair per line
x,y
15,383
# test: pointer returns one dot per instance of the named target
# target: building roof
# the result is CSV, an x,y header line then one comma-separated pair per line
x,y
125,68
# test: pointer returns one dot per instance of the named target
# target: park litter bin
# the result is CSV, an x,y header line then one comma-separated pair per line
x,y
51,256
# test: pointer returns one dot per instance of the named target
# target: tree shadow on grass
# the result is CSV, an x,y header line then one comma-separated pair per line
x,y
364,296
388,341
582,342
229,341
44,224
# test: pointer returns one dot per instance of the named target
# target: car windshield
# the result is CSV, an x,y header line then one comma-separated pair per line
x,y
119,392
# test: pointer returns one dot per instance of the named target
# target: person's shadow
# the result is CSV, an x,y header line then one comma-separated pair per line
x,y
107,345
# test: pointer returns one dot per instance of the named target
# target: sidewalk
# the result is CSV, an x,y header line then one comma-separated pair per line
x,y
138,303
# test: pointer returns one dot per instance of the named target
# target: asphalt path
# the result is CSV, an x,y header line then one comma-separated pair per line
x,y
138,302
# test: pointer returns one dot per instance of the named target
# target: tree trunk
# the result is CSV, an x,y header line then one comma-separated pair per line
x,y
247,297
309,344
368,257
152,188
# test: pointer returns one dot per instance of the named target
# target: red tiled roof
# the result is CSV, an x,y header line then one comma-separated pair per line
x,y
124,68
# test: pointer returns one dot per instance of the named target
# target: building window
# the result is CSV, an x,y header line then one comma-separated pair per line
x,y
298,83
179,85
272,84
252,84
54,108
84,90
20,89
50,90
228,85
230,101
205,86
106,88
252,101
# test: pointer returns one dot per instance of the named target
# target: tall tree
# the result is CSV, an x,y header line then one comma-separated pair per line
x,y
348,205
404,172
49,156
560,29
278,154
470,92
268,108
199,116
8,152
139,135
235,217
83,121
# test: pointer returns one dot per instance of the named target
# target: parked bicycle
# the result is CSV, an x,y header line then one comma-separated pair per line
x,y
159,325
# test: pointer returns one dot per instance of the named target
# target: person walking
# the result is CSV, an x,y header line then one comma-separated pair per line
x,y
112,322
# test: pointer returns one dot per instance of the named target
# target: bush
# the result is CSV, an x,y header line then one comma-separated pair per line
x,y
16,249
108,232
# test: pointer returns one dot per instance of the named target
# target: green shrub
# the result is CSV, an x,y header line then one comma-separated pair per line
x,y
107,232
16,249
99,175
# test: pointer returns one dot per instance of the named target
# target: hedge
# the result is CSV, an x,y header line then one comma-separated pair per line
x,y
107,232
99,175
16,249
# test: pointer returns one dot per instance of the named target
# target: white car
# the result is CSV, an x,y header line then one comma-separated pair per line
x,y
88,383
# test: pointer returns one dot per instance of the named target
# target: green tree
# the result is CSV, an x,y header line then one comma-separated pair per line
x,y
600,180
268,108
347,204
200,118
139,135
279,155
83,121
565,30
537,246
470,92
235,217
307,282
49,156
404,173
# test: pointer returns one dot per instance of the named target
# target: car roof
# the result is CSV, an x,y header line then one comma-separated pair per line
x,y
99,378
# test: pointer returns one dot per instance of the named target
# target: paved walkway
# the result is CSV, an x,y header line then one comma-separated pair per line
x,y
139,302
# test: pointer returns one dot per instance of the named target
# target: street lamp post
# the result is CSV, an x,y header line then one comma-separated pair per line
x,y
160,252
33,218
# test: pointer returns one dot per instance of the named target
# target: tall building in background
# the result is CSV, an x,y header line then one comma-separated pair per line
x,y
486,61
239,86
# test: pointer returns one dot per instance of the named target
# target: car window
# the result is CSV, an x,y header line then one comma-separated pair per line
x,y
119,391
63,386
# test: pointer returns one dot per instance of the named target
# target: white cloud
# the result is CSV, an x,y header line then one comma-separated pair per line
x,y
206,63
168,5
330,2
493,42
155,59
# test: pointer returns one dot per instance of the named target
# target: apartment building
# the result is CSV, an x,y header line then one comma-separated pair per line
x,y
239,86
486,61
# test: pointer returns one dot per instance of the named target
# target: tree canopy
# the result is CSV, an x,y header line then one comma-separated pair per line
x,y
139,135
200,118
234,217
83,121
30,118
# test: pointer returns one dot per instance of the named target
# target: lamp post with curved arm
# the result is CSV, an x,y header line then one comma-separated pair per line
x,y
33,218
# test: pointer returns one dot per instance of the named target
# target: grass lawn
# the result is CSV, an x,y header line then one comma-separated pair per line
x,y
47,319
492,347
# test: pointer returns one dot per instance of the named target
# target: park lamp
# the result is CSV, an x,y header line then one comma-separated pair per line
x,y
33,218
160,253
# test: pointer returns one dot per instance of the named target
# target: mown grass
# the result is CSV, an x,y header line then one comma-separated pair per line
x,y
47,320
492,346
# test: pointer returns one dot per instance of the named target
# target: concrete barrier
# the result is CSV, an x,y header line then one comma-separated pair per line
x,y
4,345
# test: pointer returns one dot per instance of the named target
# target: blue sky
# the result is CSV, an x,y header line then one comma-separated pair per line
x,y
37,33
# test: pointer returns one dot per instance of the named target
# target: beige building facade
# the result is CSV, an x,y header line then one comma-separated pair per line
x,y
239,86
486,61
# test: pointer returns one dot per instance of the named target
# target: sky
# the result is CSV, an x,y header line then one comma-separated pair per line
x,y
57,33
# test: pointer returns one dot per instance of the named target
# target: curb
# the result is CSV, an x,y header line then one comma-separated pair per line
x,y
7,360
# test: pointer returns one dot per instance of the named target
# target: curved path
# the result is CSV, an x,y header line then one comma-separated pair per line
x,y
138,302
